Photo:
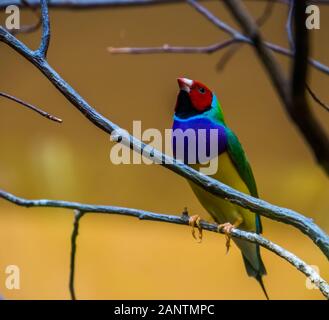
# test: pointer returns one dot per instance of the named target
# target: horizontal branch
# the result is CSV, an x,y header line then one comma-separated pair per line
x,y
175,219
174,49
166,48
31,107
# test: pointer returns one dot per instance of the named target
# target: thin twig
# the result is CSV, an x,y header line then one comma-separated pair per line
x,y
77,216
30,106
289,26
174,49
211,49
183,219
227,56
316,98
306,225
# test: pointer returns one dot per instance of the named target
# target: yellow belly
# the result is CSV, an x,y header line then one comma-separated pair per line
x,y
222,210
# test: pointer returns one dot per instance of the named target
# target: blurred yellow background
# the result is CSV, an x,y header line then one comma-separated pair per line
x,y
121,257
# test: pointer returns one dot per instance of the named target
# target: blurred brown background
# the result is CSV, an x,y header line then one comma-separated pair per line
x,y
121,257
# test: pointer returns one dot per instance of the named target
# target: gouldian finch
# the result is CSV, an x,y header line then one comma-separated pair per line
x,y
197,108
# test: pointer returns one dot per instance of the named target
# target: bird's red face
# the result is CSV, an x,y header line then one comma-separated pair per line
x,y
199,95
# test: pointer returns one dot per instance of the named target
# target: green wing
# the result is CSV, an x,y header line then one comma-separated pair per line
x,y
241,163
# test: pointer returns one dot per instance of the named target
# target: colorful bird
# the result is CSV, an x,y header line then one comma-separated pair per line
x,y
197,108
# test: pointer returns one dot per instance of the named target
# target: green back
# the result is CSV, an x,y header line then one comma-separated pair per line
x,y
242,165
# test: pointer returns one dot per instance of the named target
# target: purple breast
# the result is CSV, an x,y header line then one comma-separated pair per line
x,y
198,140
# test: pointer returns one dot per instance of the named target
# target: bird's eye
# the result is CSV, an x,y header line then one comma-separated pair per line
x,y
202,90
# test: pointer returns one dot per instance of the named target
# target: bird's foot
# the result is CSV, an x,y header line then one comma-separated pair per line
x,y
226,228
194,221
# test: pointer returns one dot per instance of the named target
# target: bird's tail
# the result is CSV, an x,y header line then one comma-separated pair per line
x,y
256,273
260,281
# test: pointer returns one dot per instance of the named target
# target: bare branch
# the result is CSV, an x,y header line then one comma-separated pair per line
x,y
227,56
81,209
45,38
174,49
185,49
30,106
211,49
289,27
316,98
286,52
77,216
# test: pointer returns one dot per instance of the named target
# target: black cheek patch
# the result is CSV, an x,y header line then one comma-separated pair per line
x,y
184,107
